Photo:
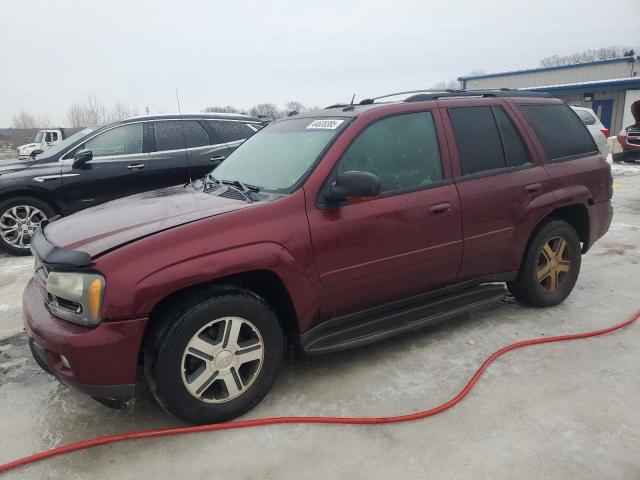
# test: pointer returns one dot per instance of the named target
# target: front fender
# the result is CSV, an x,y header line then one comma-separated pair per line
x,y
207,268
128,296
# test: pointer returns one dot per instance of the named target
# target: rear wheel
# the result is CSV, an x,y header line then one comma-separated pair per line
x,y
214,356
551,266
19,218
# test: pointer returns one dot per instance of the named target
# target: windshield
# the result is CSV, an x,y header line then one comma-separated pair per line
x,y
58,147
278,156
39,137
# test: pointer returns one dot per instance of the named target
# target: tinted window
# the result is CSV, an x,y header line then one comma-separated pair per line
x,y
195,134
231,131
515,151
477,138
586,117
168,135
124,140
560,131
402,151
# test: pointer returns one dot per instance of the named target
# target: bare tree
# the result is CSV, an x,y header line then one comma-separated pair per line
x,y
93,112
269,110
586,56
294,106
227,109
120,111
451,84
25,121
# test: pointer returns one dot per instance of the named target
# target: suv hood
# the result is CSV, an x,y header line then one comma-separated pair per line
x,y
103,227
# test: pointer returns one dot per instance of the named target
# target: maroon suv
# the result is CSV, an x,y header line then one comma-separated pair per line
x,y
332,229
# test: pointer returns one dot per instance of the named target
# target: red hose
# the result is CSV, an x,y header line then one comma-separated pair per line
x,y
341,420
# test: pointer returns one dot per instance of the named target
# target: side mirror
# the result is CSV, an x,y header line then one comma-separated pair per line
x,y
35,153
81,157
353,186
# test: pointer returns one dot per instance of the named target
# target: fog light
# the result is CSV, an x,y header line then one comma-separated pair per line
x,y
65,362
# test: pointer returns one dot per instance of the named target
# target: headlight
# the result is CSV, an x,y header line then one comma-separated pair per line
x,y
76,297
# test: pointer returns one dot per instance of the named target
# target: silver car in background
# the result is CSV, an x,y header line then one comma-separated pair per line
x,y
597,130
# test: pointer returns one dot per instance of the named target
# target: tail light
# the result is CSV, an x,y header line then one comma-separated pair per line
x,y
605,131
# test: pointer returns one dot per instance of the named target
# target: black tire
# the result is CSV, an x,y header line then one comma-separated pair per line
x,y
7,205
527,288
164,363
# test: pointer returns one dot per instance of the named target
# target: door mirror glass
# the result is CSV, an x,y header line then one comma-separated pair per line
x,y
81,157
353,186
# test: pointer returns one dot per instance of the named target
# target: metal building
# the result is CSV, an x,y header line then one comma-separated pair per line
x,y
609,87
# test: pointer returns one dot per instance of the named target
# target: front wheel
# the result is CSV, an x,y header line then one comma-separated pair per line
x,y
550,267
215,356
19,218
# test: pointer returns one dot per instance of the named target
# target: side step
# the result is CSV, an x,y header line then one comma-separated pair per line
x,y
378,323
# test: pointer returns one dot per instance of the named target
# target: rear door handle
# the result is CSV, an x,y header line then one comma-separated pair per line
x,y
440,209
217,159
533,188
136,166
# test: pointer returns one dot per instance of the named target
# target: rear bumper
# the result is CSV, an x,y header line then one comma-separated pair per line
x,y
102,360
600,216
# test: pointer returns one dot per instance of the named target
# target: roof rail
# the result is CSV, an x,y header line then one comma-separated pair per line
x,y
431,94
502,92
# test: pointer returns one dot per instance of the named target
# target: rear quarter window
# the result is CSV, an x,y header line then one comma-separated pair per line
x,y
586,117
560,130
231,131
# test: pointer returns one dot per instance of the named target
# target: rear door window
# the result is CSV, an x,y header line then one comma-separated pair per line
x,y
477,139
560,130
195,134
402,151
487,139
515,150
231,131
168,135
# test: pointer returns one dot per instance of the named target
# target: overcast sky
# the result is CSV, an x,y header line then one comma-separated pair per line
x,y
241,53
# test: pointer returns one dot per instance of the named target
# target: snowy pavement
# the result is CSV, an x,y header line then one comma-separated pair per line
x,y
553,411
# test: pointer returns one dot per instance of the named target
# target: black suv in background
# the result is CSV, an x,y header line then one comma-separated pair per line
x,y
99,164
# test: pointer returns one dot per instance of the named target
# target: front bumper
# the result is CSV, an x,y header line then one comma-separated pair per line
x,y
102,360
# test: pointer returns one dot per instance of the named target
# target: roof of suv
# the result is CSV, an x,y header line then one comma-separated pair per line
x,y
185,116
347,110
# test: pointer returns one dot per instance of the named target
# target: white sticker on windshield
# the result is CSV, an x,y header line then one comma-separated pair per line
x,y
325,124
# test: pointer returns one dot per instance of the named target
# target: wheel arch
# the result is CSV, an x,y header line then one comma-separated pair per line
x,y
41,195
266,284
574,214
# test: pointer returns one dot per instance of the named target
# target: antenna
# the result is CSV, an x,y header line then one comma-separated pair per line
x,y
350,107
184,138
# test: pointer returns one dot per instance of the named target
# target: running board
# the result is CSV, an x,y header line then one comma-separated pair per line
x,y
379,323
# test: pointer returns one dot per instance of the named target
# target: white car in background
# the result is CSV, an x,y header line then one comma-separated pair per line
x,y
598,131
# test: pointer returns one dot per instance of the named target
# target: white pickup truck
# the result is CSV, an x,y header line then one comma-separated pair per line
x,y
45,139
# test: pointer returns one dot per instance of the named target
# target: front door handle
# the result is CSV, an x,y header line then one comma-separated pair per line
x,y
136,166
440,209
533,189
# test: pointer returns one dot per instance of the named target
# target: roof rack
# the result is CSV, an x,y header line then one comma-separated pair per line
x,y
502,92
430,94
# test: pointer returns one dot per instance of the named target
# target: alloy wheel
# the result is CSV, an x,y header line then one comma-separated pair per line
x,y
554,263
222,360
18,223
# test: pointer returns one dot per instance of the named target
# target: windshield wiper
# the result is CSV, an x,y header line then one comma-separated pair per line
x,y
245,187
